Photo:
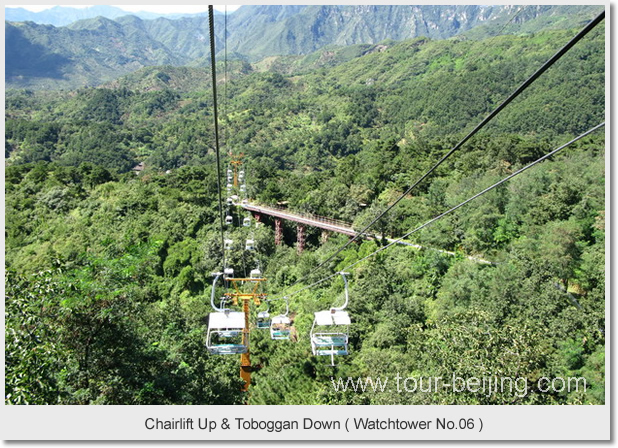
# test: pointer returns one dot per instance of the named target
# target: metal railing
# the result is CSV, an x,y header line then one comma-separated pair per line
x,y
304,216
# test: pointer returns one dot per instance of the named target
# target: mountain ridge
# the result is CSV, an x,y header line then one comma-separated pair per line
x,y
97,50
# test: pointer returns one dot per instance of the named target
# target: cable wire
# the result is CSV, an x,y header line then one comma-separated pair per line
x,y
497,184
478,127
216,119
227,124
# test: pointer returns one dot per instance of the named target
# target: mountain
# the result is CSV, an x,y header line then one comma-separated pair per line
x,y
93,51
62,15
44,56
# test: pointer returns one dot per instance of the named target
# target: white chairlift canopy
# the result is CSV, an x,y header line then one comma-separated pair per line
x,y
233,319
332,318
280,320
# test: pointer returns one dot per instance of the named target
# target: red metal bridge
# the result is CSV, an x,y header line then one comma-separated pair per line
x,y
334,225
326,224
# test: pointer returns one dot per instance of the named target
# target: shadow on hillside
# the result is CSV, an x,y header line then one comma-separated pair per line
x,y
24,58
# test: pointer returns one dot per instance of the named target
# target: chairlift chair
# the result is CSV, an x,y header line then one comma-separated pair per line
x,y
246,222
243,188
226,329
280,328
228,244
329,333
228,220
230,201
255,273
250,245
228,273
280,325
226,333
263,318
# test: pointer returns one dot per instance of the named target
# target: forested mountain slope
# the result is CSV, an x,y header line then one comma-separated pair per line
x,y
109,272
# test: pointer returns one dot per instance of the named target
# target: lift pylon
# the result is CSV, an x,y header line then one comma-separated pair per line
x,y
236,162
246,295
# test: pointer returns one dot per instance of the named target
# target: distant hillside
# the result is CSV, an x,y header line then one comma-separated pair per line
x,y
43,56
94,51
64,15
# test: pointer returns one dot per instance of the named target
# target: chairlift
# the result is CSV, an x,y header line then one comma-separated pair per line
x,y
228,220
246,222
228,244
245,201
228,273
226,329
230,201
243,188
280,325
255,273
250,245
329,333
263,318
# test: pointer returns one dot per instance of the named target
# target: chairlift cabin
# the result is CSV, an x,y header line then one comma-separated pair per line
x,y
263,318
329,333
250,245
229,220
226,329
280,328
280,325
226,333
228,244
246,222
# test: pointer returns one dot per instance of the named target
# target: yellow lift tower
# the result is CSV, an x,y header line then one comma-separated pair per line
x,y
236,162
245,291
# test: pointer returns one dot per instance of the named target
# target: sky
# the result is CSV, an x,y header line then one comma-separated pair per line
x,y
160,9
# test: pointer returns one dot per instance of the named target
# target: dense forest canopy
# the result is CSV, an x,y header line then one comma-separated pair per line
x,y
108,272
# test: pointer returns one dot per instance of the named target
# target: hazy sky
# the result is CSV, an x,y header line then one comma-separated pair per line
x,y
161,9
